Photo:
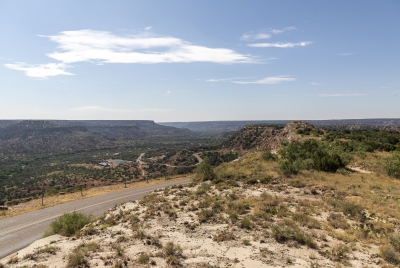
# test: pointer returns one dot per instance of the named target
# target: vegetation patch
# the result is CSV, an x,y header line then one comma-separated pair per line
x,y
69,224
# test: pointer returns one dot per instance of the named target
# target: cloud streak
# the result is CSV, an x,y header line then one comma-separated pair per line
x,y
105,47
102,47
42,71
264,34
97,108
343,95
264,81
281,45
254,36
154,110
268,80
346,54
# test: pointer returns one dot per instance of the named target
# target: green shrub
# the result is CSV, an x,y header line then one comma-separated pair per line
x,y
352,209
223,236
205,214
268,156
246,242
119,250
306,220
323,161
252,181
143,258
245,224
389,254
233,216
391,165
266,179
171,249
338,253
287,230
205,171
288,167
77,260
203,188
395,241
68,224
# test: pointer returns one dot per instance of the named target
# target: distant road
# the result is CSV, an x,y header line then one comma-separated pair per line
x,y
20,231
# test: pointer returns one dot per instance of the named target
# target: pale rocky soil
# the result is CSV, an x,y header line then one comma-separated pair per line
x,y
172,215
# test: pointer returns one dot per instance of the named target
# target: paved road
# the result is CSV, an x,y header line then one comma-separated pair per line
x,y
20,231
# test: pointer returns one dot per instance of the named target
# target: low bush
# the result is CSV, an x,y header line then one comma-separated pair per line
x,y
171,249
144,258
77,260
268,156
287,230
205,171
337,220
246,242
306,220
389,254
205,215
338,253
69,224
246,224
223,236
203,189
395,242
251,181
391,165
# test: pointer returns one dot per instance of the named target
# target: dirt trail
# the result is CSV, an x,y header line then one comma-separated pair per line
x,y
167,165
141,163
358,169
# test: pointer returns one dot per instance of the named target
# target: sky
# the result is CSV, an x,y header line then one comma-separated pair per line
x,y
173,61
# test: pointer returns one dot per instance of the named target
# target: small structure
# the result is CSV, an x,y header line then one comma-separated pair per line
x,y
104,164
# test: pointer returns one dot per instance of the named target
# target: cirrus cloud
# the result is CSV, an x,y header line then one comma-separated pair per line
x,y
268,80
247,80
42,71
281,45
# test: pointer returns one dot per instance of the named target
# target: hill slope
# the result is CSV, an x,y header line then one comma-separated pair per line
x,y
263,137
33,138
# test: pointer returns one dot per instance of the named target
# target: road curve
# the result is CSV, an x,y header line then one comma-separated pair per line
x,y
20,231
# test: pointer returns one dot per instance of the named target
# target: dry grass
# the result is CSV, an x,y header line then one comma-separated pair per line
x,y
51,201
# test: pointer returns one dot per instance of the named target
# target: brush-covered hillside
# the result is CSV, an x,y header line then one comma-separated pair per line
x,y
327,199
263,137
35,138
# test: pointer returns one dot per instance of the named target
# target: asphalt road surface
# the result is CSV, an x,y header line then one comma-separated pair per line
x,y
20,231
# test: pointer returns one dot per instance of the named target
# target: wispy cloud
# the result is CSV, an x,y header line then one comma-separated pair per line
x,y
101,47
391,85
250,80
264,34
286,29
98,108
42,71
105,47
315,83
155,110
231,79
148,28
268,80
281,45
345,54
343,95
254,36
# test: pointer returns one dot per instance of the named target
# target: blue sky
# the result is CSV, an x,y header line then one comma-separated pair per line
x,y
199,60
